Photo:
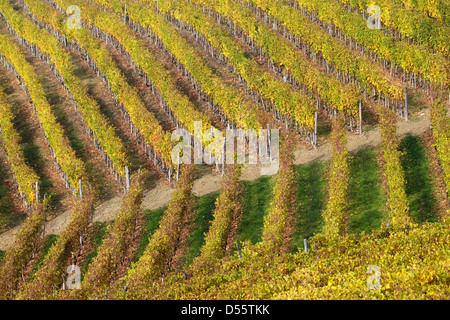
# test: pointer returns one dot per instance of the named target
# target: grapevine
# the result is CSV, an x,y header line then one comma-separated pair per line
x,y
228,205
393,171
110,254
72,169
23,174
439,9
410,57
276,230
156,258
50,276
336,214
360,67
20,253
441,132
410,23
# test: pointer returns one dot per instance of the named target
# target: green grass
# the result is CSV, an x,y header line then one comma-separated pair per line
x,y
202,216
256,198
2,255
367,199
49,241
152,219
98,234
311,198
419,186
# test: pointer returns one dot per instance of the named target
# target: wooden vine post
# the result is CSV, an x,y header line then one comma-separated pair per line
x,y
125,14
81,189
37,193
360,118
269,139
223,157
406,103
127,177
178,167
315,130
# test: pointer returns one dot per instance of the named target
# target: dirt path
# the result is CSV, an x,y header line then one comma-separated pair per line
x,y
160,195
